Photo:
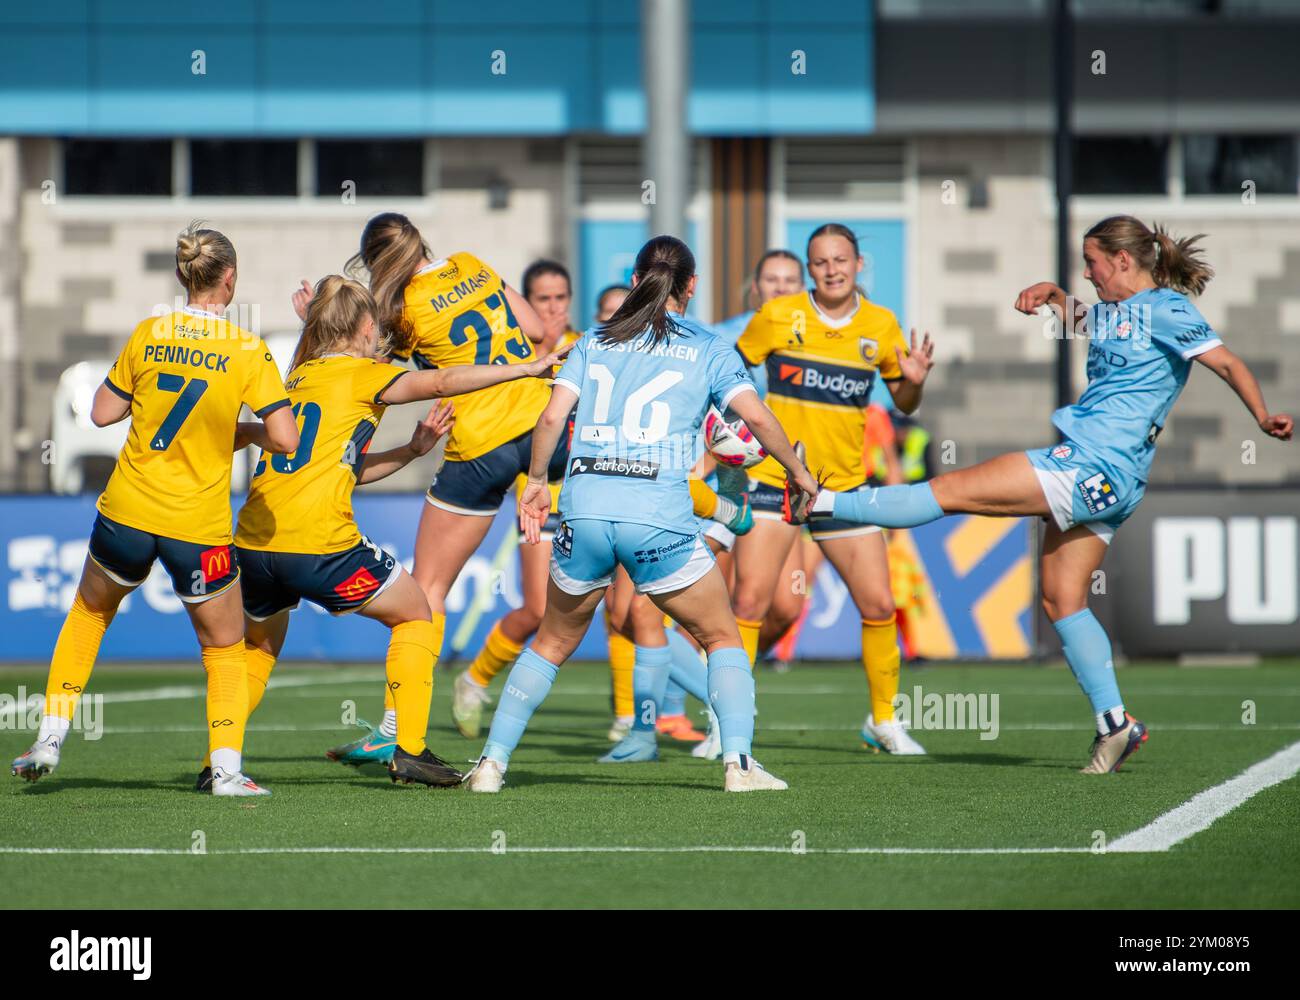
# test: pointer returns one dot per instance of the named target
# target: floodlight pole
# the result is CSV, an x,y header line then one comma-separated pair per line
x,y
665,63
1064,62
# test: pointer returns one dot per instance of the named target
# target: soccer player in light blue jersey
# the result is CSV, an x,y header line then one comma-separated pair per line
x,y
642,384
1145,334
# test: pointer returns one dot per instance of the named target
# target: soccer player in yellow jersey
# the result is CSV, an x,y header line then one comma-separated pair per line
x,y
182,379
823,350
297,537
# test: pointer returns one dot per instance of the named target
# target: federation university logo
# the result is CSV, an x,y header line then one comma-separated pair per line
x,y
1097,493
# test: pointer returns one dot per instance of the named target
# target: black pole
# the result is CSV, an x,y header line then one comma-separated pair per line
x,y
1064,31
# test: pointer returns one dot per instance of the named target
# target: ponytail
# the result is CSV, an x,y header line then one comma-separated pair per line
x,y
392,250
664,268
1174,263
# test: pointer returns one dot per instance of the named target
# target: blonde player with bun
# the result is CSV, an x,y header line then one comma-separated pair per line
x,y
181,379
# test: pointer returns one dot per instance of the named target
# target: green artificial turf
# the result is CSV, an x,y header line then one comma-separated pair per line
x,y
132,789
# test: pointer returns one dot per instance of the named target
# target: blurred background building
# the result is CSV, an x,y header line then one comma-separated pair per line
x,y
514,130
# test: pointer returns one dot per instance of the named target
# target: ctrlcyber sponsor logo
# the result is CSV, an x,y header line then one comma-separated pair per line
x,y
75,953
631,468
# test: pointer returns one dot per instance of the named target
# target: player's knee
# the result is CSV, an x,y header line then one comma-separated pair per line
x,y
877,607
751,605
1059,603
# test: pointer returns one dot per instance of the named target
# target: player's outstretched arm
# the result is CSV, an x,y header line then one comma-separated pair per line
x,y
762,423
1237,374
460,379
436,423
1045,293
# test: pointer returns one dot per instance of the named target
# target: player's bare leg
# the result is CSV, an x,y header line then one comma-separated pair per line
x,y
1069,560
759,557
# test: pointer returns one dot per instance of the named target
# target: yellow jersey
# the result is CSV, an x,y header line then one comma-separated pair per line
x,y
458,311
566,338
819,377
186,374
303,502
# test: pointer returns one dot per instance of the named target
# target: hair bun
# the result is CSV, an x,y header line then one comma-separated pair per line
x,y
188,248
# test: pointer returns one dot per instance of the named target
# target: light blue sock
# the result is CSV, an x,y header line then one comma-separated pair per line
x,y
649,680
688,670
674,698
731,693
1087,651
889,506
526,687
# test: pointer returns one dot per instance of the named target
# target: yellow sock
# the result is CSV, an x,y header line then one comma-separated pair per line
x,y
412,652
259,672
880,657
622,660
74,658
702,497
439,621
498,652
749,637
227,668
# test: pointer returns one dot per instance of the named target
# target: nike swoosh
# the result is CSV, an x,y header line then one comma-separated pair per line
x,y
377,746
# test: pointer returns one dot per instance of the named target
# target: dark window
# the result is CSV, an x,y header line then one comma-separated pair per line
x,y
234,168
389,167
118,166
1221,164
1120,165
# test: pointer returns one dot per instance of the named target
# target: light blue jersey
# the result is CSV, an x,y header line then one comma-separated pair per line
x,y
636,427
729,330
1139,357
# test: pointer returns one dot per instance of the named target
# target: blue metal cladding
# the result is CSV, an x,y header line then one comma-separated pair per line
x,y
392,67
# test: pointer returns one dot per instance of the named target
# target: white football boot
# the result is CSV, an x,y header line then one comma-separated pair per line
x,y
710,748
890,737
467,702
485,776
39,761
235,784
749,776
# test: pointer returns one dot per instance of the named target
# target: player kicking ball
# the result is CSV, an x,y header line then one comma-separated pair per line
x,y
642,384
1145,334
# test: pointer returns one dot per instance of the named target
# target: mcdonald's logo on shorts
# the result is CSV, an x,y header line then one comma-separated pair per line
x,y
215,562
357,586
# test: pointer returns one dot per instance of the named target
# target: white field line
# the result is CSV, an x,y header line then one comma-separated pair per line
x,y
792,727
1200,811
692,849
1158,836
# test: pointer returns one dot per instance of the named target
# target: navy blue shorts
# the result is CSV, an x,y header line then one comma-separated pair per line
x,y
198,572
339,582
479,485
767,500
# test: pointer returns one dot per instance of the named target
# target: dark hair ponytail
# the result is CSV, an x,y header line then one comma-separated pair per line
x,y
1174,263
664,268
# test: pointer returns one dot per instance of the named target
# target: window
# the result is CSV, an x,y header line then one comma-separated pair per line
x,y
376,167
119,166
1222,164
1115,165
243,169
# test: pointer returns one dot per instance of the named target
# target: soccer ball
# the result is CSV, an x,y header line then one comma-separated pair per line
x,y
731,443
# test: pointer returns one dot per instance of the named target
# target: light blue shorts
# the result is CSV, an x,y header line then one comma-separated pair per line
x,y
1083,488
586,551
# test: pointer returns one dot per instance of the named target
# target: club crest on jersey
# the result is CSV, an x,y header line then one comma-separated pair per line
x,y
562,543
1062,451
868,348
1124,330
1097,493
